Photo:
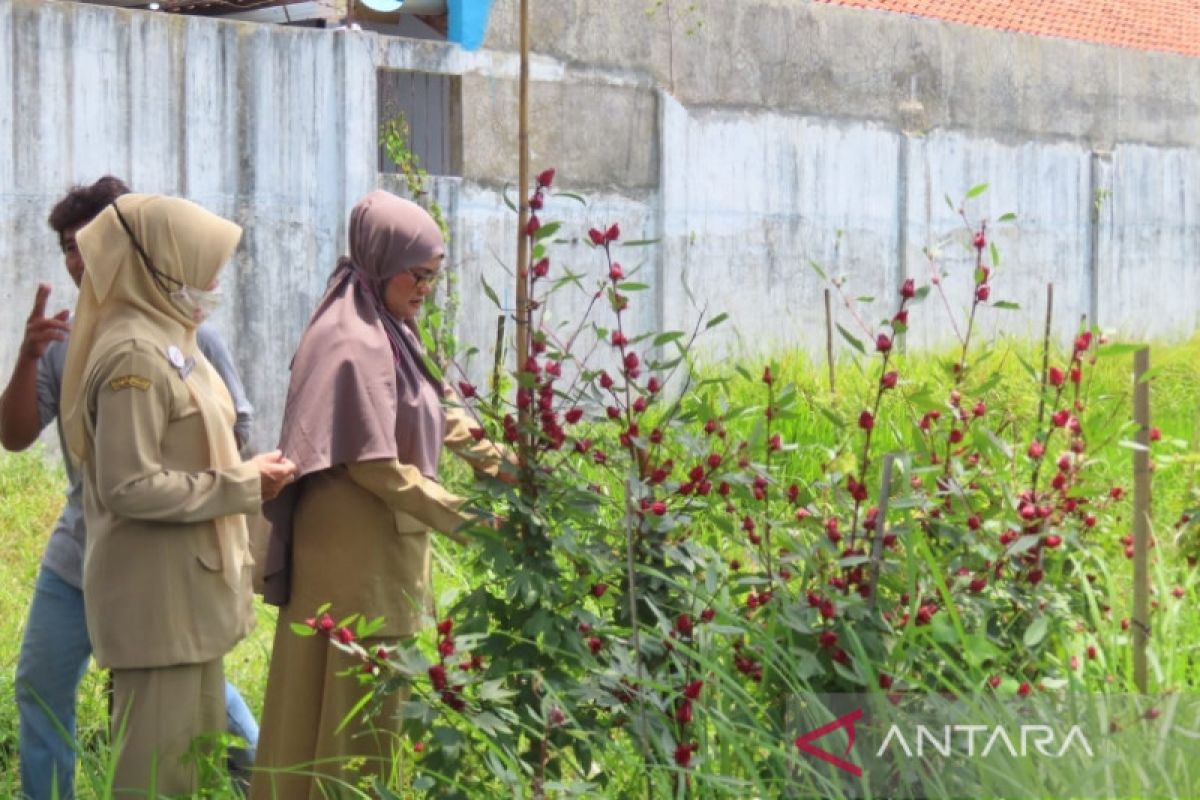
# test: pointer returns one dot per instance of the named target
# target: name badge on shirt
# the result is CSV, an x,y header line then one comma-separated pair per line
x,y
129,382
183,366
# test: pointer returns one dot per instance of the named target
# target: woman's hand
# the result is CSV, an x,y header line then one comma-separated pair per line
x,y
509,471
274,472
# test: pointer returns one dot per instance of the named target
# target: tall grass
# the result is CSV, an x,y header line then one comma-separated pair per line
x,y
31,496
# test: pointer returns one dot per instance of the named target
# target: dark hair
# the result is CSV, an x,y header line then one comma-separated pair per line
x,y
82,203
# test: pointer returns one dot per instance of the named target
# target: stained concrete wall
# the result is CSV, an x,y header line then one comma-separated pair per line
x,y
752,138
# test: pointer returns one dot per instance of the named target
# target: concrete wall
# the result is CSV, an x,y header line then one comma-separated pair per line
x,y
752,137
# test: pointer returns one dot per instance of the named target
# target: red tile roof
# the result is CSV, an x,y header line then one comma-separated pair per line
x,y
1168,25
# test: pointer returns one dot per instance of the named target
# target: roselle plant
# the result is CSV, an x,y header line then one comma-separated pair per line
x,y
680,562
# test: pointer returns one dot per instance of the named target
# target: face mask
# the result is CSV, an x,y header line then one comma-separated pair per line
x,y
197,303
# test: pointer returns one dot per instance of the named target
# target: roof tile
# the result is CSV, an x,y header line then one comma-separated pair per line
x,y
1171,26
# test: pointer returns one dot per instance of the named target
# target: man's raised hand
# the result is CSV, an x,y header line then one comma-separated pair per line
x,y
41,330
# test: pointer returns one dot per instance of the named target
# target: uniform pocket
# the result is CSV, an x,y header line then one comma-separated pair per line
x,y
208,553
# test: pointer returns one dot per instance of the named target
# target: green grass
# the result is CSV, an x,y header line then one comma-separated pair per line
x,y
31,488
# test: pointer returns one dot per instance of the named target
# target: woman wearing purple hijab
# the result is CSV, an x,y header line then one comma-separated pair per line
x,y
365,425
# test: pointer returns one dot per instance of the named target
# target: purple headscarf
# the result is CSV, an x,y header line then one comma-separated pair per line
x,y
359,389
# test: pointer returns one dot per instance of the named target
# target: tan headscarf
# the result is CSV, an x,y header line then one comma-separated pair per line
x,y
359,390
120,300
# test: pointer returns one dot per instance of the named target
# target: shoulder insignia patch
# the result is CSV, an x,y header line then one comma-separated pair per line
x,y
129,382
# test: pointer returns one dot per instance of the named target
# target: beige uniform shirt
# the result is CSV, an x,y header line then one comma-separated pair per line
x,y
362,540
152,581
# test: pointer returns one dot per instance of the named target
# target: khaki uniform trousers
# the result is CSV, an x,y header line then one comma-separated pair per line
x,y
166,721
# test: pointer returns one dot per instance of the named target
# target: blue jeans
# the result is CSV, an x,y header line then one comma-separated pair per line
x,y
54,656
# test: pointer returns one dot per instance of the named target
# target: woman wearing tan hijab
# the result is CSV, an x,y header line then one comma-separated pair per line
x,y
365,424
166,573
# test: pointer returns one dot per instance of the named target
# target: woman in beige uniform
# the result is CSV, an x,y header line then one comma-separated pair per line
x,y
166,573
365,424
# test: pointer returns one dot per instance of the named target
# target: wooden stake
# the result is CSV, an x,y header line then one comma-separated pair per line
x,y
829,342
1141,518
1046,354
522,348
498,361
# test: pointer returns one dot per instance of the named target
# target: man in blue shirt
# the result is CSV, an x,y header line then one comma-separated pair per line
x,y
55,648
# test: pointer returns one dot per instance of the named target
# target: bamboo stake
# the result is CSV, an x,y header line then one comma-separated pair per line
x,y
880,527
522,349
829,342
1037,466
1141,518
1046,353
498,361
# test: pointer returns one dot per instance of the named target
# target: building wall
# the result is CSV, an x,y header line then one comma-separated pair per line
x,y
751,138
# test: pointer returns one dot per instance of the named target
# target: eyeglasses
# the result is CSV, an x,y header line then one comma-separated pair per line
x,y
424,278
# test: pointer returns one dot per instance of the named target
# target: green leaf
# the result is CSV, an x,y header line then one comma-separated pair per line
x,y
855,343
995,255
493,691
976,190
980,649
1118,349
921,294
950,203
632,286
1009,217
998,443
1152,373
805,665
864,299
1037,378
1008,305
1037,631
667,338
384,793
489,723
717,320
507,201
640,242
490,292
546,231
571,196
1023,544
817,268
300,629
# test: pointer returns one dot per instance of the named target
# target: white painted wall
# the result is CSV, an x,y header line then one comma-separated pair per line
x,y
276,129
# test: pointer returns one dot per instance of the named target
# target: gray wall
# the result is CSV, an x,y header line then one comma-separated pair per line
x,y
775,133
